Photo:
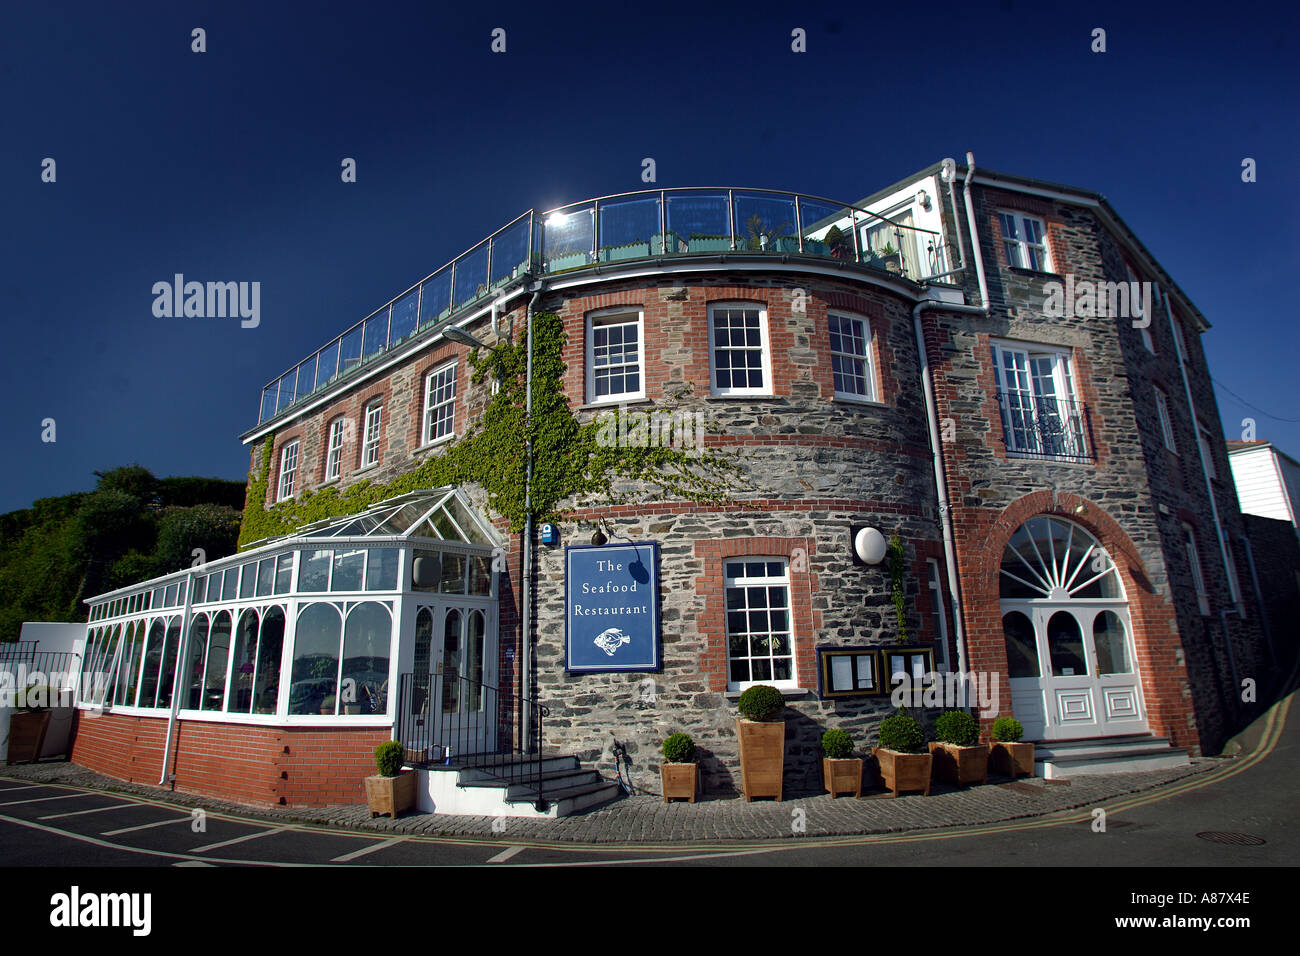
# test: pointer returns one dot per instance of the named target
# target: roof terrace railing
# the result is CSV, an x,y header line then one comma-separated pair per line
x,y
626,227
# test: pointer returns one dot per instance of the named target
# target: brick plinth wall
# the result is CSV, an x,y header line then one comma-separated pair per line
x,y
256,765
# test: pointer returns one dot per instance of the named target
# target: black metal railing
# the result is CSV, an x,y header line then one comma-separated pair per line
x,y
1049,428
462,723
17,651
27,668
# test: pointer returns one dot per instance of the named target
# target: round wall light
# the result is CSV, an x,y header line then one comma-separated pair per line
x,y
869,545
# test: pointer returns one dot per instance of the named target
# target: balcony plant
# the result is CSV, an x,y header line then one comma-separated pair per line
x,y
760,730
704,242
392,790
839,245
1008,755
959,757
678,773
841,771
901,753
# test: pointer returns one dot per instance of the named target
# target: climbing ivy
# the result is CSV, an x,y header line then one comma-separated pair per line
x,y
896,585
572,462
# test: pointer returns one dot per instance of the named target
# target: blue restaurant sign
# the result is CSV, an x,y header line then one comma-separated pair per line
x,y
611,608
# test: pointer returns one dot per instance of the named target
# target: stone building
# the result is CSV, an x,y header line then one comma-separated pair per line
x,y
991,368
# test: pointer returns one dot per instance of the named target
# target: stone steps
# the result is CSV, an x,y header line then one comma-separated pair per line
x,y
1054,759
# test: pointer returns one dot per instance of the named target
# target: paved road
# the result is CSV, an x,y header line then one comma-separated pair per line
x,y
52,825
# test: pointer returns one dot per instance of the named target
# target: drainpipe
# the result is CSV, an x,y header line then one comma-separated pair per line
x,y
940,481
949,175
182,656
526,565
974,233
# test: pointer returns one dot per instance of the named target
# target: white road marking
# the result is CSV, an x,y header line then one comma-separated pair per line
x,y
28,786
507,854
77,813
146,826
66,796
346,857
194,863
247,836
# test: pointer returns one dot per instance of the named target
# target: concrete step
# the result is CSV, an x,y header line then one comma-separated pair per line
x,y
1133,752
573,799
568,787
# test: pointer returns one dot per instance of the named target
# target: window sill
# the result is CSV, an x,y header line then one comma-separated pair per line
x,y
365,468
330,482
743,397
1038,273
615,403
1012,454
436,443
852,400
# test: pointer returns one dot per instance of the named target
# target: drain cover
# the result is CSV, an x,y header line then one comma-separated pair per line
x,y
1231,839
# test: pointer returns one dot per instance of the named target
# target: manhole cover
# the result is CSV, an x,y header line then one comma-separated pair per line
x,y
1231,839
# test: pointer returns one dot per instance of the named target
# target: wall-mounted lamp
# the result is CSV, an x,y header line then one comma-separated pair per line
x,y
869,545
923,199
598,538
1081,509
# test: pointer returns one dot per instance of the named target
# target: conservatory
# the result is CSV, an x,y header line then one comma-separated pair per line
x,y
312,628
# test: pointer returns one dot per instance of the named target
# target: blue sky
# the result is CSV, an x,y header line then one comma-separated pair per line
x,y
225,166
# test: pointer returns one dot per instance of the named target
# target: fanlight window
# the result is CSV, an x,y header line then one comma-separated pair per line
x,y
1050,558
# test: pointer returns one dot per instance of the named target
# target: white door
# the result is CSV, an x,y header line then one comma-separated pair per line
x,y
454,695
1086,683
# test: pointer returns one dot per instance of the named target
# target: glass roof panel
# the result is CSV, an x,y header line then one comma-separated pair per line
x,y
470,530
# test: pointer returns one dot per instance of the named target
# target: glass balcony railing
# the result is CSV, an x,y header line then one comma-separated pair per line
x,y
652,224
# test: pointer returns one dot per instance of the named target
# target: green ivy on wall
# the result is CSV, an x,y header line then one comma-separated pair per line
x,y
572,461
896,568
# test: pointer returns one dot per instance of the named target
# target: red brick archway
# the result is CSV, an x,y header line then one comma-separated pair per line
x,y
983,536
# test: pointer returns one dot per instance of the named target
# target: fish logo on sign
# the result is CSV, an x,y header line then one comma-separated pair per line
x,y
611,640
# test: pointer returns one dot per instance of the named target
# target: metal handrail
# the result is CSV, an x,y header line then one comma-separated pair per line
x,y
1049,428
535,263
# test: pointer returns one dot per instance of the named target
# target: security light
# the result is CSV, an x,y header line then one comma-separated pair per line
x,y
461,337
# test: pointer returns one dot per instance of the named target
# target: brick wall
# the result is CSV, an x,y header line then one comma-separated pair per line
x,y
256,765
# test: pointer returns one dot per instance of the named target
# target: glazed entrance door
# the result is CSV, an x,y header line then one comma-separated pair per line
x,y
454,692
1089,683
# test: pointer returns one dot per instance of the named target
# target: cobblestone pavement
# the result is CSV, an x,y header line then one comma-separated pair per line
x,y
644,818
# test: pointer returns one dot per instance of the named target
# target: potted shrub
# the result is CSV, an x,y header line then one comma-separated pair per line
x,y
28,726
959,757
1008,755
841,771
760,730
392,790
904,764
678,772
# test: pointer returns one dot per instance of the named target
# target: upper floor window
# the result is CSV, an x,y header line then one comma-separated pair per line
x,y
1022,238
334,453
288,469
1136,305
374,427
439,404
1041,416
759,641
738,357
1194,560
1179,341
614,356
1207,449
1166,424
851,366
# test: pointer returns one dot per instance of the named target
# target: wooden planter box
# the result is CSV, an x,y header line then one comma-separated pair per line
x,y
762,757
960,765
27,734
391,795
680,780
1012,759
904,771
842,775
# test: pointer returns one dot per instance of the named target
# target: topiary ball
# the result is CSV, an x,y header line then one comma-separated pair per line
x,y
679,748
1008,730
902,733
837,744
761,702
958,728
388,758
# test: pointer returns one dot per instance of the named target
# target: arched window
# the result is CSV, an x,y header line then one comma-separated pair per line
x,y
171,652
193,673
152,663
423,651
366,645
270,644
214,669
314,680
243,664
1052,558
1022,651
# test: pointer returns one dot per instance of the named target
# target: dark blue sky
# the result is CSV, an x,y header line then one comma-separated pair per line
x,y
225,166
